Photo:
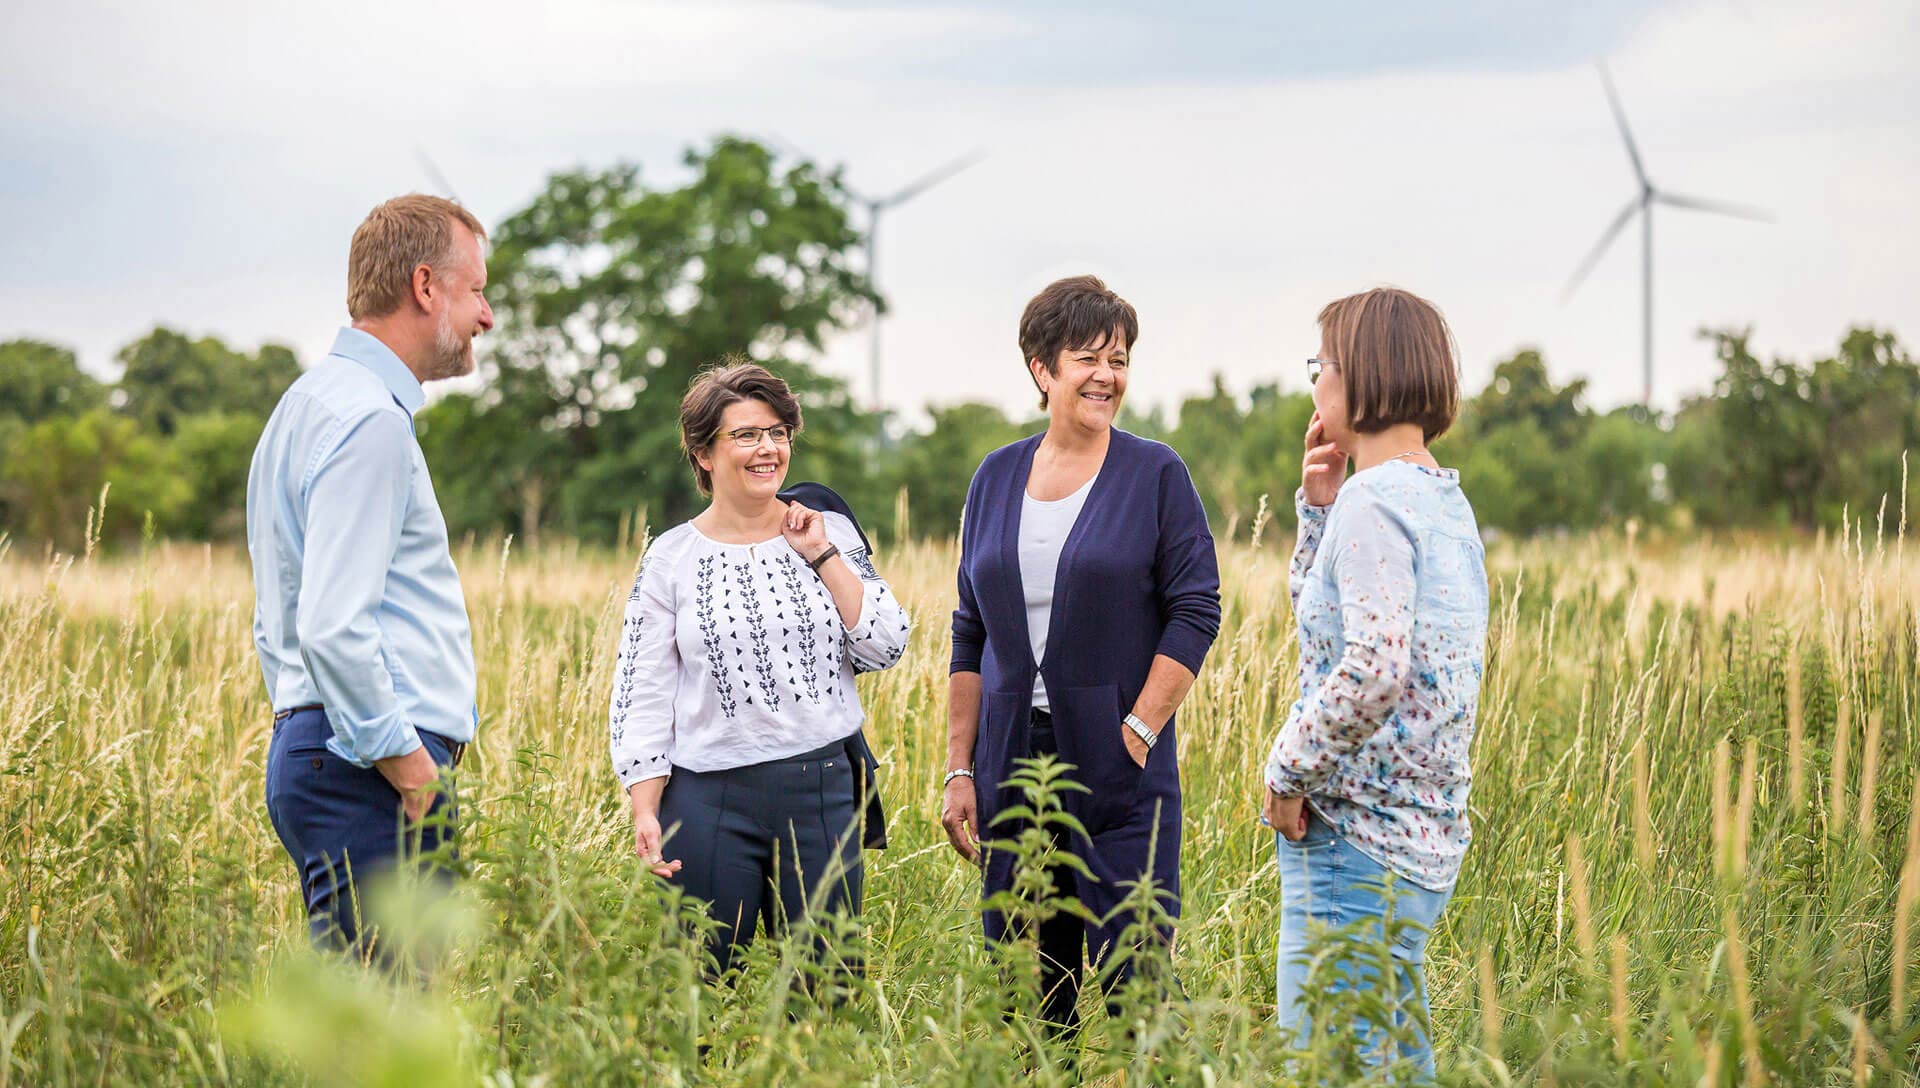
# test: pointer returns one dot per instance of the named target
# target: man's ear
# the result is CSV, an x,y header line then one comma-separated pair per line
x,y
424,286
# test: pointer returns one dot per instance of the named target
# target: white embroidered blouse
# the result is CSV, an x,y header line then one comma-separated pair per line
x,y
734,654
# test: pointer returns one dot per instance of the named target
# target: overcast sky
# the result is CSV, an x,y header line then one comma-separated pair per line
x,y
1227,167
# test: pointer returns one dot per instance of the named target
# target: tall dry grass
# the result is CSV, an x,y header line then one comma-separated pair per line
x,y
1694,859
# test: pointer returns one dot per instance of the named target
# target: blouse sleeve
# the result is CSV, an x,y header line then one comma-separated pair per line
x,y
880,637
1306,545
1185,571
646,676
1373,573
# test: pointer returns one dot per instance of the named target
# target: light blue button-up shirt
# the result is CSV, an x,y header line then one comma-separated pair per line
x,y
357,605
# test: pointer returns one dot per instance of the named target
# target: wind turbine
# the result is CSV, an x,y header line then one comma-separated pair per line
x,y
434,175
876,205
1642,205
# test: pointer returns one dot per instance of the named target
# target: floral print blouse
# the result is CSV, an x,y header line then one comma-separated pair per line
x,y
1389,589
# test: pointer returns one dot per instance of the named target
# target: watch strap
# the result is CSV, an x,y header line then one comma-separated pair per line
x,y
1139,729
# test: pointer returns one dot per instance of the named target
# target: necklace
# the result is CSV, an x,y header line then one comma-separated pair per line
x,y
1409,453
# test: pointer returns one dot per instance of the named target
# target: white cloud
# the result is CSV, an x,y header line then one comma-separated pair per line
x,y
223,155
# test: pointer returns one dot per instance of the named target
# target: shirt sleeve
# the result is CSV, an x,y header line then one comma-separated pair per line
x,y
1185,571
1373,571
646,677
356,500
1306,545
878,639
969,633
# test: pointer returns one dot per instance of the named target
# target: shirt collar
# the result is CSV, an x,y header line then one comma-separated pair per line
x,y
367,350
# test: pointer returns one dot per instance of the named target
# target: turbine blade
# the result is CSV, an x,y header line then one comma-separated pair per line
x,y
1593,256
434,175
1718,207
933,179
1620,117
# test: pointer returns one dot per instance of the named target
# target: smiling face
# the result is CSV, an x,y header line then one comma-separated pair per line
x,y
746,474
459,308
1086,384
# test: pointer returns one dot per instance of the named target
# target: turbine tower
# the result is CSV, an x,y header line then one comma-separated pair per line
x,y
1642,205
874,206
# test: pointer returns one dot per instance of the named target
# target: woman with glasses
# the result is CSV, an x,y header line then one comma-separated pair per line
x,y
1367,781
735,724
1089,597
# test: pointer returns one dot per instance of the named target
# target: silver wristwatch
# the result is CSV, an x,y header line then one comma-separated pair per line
x,y
957,772
1139,728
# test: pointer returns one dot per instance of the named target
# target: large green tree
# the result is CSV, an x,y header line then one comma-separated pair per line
x,y
1778,441
59,468
611,296
936,465
38,380
166,377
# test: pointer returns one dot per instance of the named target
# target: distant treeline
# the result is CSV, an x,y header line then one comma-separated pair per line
x,y
611,294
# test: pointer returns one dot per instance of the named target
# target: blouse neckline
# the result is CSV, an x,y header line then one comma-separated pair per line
x,y
697,531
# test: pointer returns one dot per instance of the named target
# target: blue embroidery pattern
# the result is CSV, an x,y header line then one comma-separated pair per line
x,y
757,636
803,623
710,634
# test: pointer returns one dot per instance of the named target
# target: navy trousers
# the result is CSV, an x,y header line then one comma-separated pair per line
x,y
342,825
765,844
1063,939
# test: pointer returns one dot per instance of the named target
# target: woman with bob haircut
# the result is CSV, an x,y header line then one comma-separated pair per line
x,y
1088,599
1367,781
735,723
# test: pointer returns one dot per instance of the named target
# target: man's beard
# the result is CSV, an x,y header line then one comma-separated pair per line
x,y
452,355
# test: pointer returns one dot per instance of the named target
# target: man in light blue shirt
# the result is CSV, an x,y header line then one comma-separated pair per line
x,y
358,615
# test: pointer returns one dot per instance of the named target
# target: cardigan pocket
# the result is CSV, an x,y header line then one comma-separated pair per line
x,y
1002,738
1087,724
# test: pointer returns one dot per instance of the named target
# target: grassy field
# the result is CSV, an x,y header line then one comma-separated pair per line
x,y
1695,858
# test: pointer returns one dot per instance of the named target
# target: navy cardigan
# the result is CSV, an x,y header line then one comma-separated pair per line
x,y
1137,578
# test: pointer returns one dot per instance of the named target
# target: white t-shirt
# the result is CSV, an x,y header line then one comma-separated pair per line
x,y
734,654
1043,532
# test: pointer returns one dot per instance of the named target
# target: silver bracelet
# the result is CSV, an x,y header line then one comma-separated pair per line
x,y
1139,728
957,772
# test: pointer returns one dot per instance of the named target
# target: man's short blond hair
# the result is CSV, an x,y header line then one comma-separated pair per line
x,y
396,238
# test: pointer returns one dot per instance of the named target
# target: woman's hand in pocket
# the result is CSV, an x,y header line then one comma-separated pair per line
x,y
1136,748
1287,815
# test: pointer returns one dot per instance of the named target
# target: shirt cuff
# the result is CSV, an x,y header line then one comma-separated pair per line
x,y
382,738
1306,510
1284,782
644,769
1184,644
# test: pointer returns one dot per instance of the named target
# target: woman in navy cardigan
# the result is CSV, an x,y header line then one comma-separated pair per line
x,y
1089,596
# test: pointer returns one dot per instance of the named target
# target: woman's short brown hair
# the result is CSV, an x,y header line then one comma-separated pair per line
x,y
1076,312
1397,359
708,396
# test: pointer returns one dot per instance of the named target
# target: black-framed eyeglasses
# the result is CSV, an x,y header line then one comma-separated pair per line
x,y
748,437
1314,366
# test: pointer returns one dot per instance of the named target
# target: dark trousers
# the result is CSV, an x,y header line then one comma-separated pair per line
x,y
342,825
1062,938
766,843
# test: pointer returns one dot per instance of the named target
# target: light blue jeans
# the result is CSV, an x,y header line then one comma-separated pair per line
x,y
1326,883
